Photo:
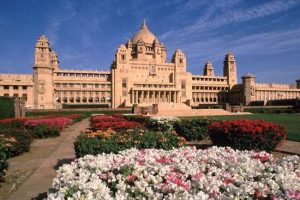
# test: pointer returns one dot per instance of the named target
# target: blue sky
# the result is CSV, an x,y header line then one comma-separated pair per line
x,y
263,35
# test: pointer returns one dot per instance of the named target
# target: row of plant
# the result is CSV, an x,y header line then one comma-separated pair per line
x,y
116,133
245,134
183,173
17,134
111,134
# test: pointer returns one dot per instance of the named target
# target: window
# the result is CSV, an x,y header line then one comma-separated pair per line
x,y
15,95
24,87
6,95
15,87
6,87
123,57
180,61
24,96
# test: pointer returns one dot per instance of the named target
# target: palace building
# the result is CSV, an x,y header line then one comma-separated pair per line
x,y
140,74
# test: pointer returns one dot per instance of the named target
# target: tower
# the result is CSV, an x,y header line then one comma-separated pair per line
x,y
230,70
45,61
249,88
298,83
208,69
179,60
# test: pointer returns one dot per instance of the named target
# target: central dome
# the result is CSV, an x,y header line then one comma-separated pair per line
x,y
143,35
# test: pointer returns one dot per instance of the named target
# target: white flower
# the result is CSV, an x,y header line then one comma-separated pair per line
x,y
184,173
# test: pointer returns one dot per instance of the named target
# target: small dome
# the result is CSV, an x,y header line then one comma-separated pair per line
x,y
144,35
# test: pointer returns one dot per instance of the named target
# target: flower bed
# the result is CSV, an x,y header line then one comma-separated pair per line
x,y
59,122
104,122
184,173
194,129
110,141
247,134
162,123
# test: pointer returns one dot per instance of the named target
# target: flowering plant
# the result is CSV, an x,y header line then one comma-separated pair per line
x,y
59,122
104,122
184,173
109,141
162,123
247,134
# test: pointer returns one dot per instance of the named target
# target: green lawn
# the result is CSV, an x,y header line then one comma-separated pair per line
x,y
290,121
86,113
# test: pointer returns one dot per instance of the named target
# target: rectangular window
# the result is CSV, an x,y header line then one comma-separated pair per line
x,y
15,95
6,87
24,96
6,95
24,87
15,87
124,87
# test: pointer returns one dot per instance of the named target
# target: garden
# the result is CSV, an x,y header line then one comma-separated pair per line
x,y
136,157
17,134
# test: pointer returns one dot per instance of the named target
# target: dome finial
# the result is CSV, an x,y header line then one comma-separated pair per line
x,y
144,25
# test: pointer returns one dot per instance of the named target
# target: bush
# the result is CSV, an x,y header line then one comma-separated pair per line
x,y
138,118
104,122
65,106
162,123
3,159
110,141
194,129
19,140
44,131
247,134
7,107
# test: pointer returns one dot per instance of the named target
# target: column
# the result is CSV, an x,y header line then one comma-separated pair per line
x,y
147,97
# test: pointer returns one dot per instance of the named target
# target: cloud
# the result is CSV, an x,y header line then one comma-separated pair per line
x,y
221,13
56,20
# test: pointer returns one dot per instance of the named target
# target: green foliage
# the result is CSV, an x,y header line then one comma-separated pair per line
x,y
138,118
194,129
140,139
270,110
44,131
19,138
85,106
247,134
3,160
64,112
162,123
7,107
290,121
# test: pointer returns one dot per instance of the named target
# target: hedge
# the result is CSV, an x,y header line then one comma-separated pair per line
x,y
247,134
7,107
85,106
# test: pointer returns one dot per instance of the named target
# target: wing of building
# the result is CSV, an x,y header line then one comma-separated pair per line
x,y
140,74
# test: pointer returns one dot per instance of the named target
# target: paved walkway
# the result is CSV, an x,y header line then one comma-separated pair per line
x,y
45,156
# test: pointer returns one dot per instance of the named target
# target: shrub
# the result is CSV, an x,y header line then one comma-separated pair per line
x,y
58,122
106,118
19,140
194,129
162,123
7,107
138,118
44,131
247,134
3,159
110,141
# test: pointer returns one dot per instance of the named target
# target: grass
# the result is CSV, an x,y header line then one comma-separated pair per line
x,y
290,121
85,113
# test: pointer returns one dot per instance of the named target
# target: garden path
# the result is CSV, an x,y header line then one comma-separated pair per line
x,y
45,156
